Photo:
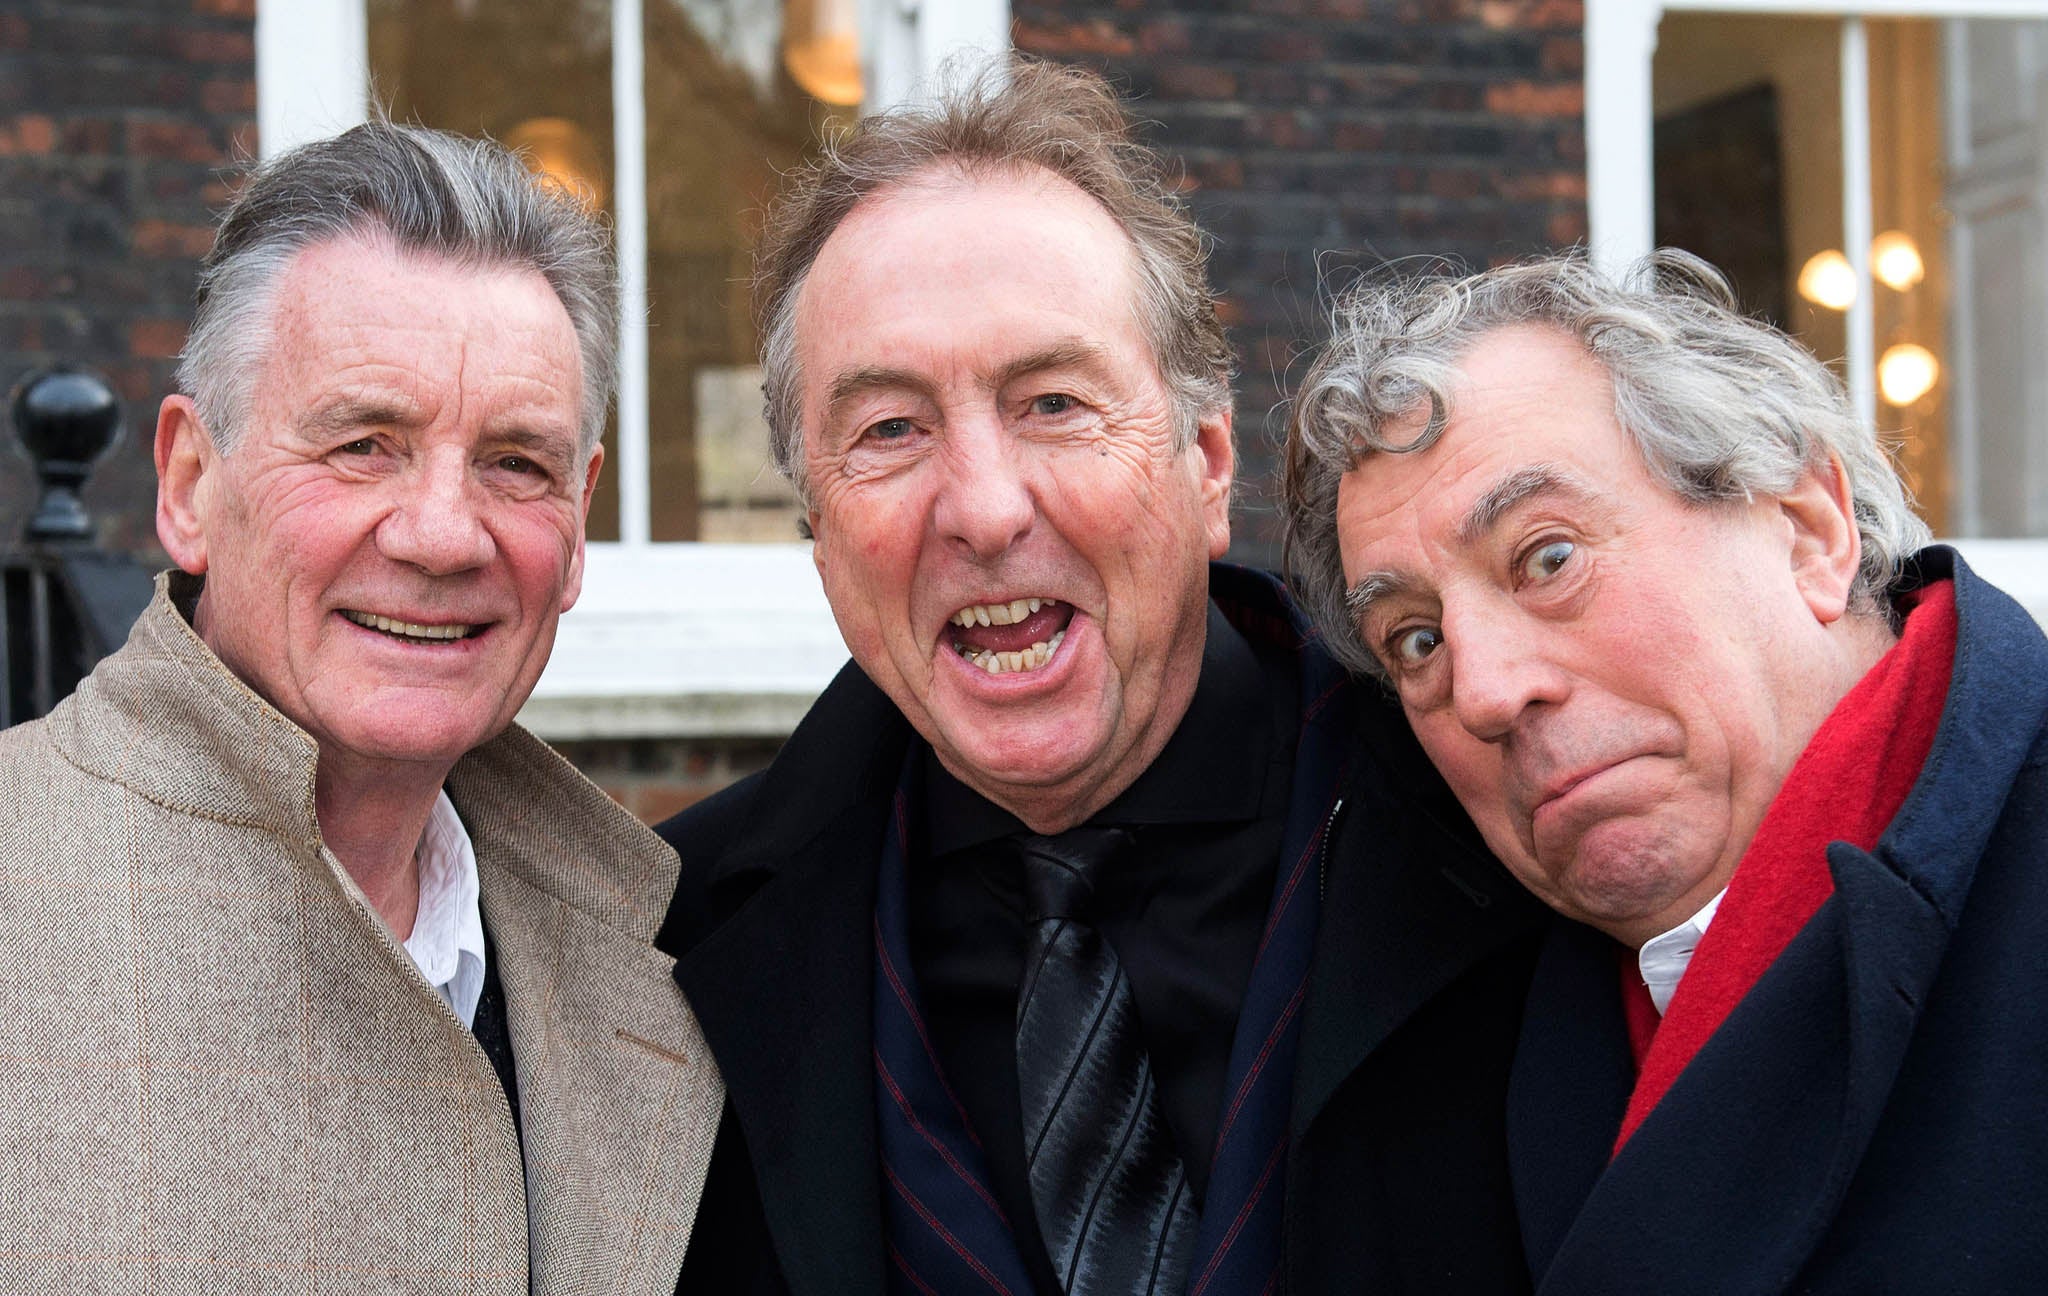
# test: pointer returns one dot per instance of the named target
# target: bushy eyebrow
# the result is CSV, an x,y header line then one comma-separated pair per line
x,y
867,378
1068,353
1536,481
1372,588
351,413
1533,482
1073,353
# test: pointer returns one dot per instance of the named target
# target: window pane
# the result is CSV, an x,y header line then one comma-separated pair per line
x,y
535,74
736,93
1749,175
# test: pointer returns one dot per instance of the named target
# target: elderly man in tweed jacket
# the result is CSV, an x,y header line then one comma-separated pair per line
x,y
321,975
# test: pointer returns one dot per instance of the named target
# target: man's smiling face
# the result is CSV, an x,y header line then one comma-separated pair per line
x,y
1012,540
389,545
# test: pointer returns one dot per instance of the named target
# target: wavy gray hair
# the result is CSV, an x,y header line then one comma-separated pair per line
x,y
1720,406
428,191
1012,113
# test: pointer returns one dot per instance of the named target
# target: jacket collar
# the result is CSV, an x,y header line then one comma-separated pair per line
x,y
164,718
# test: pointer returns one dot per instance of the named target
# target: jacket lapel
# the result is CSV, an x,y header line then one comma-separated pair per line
x,y
619,1098
1569,1086
618,1095
801,1079
799,887
1393,932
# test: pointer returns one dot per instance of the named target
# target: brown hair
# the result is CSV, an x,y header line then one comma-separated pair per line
x,y
1012,113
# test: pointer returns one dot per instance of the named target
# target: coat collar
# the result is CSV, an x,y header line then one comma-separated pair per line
x,y
164,718
799,889
1761,1135
610,1062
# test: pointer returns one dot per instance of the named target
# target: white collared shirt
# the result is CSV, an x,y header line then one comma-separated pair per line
x,y
447,941
1663,959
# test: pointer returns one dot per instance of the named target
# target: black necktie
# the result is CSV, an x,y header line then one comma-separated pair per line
x,y
1111,1195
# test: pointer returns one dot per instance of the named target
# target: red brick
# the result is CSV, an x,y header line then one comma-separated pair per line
x,y
30,133
654,802
160,238
236,96
1532,15
1196,81
160,338
182,140
1095,36
1534,99
211,45
91,136
226,8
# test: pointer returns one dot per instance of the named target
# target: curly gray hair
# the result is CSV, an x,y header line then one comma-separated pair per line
x,y
425,190
1720,406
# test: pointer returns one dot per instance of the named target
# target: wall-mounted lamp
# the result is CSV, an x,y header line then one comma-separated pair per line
x,y
1827,279
821,49
1906,372
560,151
1896,261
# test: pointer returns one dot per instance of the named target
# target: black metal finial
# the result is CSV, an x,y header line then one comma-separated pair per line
x,y
67,419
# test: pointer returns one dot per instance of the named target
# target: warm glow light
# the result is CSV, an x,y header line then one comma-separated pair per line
x,y
1827,279
560,152
1906,373
1895,261
821,49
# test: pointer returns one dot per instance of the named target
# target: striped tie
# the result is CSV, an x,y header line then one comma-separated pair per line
x,y
1111,1194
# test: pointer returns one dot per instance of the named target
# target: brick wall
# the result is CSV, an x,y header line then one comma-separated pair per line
x,y
1314,133
116,117
1339,133
656,777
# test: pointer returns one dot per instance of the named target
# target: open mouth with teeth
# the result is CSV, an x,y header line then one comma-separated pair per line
x,y
410,631
1021,635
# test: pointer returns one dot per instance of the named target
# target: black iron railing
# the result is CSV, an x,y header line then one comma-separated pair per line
x,y
64,602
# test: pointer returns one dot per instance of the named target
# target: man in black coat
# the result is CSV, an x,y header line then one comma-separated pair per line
x,y
1649,594
1093,933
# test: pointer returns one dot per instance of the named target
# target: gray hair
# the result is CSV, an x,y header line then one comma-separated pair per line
x,y
427,191
1006,115
1721,407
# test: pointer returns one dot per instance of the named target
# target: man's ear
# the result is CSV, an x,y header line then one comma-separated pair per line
x,y
184,456
572,587
1826,546
1216,462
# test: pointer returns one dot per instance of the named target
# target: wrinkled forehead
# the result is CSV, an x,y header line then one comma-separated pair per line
x,y
955,276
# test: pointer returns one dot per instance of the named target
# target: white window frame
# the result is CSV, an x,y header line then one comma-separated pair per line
x,y
668,640
1621,38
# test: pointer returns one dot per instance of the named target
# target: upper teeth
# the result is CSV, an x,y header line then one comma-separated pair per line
x,y
1010,613
410,629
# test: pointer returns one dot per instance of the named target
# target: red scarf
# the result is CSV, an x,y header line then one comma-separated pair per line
x,y
1846,786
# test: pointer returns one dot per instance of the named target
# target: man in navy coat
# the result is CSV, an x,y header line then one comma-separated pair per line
x,y
1654,604
995,372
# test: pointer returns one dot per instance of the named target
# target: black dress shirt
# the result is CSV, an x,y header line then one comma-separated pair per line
x,y
1183,909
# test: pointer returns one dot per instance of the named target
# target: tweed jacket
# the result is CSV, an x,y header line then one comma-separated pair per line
x,y
219,1070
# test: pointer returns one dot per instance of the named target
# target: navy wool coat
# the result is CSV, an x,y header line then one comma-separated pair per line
x,y
1873,1116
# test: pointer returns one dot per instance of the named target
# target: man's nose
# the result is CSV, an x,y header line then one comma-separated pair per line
x,y
985,503
1500,670
436,522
